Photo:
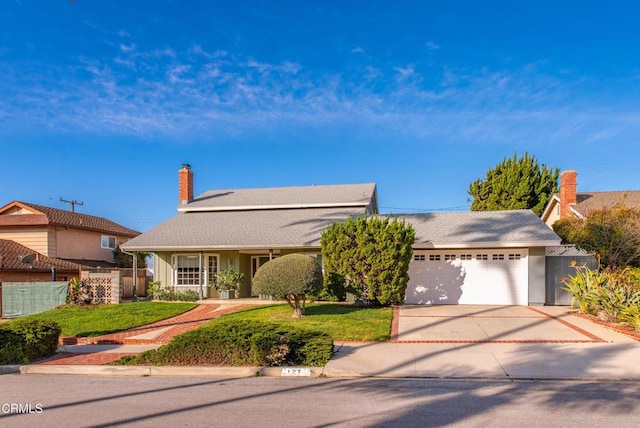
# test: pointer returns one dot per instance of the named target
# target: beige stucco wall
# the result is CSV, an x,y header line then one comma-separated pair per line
x,y
84,244
554,214
32,237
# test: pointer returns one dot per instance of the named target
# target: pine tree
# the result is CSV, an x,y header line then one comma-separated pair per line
x,y
515,183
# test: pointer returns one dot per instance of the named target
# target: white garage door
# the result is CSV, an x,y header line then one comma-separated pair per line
x,y
472,277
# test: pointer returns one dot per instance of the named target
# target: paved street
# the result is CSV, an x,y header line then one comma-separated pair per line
x,y
274,402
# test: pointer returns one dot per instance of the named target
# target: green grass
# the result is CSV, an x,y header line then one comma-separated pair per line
x,y
341,322
91,321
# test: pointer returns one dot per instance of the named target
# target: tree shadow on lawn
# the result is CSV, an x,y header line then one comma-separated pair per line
x,y
316,308
338,309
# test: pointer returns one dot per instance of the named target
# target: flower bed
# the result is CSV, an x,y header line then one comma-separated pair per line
x,y
620,328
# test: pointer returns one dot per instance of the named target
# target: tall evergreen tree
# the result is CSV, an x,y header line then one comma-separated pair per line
x,y
372,255
515,183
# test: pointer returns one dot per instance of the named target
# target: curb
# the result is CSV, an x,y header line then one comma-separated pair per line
x,y
10,369
143,371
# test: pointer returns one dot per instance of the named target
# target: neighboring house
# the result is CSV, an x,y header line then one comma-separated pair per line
x,y
21,264
59,234
472,257
569,203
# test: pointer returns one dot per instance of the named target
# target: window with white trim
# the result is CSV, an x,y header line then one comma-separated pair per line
x,y
108,242
186,270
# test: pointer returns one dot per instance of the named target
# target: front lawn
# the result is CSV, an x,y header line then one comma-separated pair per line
x,y
96,320
269,336
341,322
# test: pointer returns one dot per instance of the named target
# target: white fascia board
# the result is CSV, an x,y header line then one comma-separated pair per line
x,y
220,247
273,207
552,203
464,245
576,213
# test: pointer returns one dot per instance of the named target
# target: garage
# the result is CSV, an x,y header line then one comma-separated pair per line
x,y
471,276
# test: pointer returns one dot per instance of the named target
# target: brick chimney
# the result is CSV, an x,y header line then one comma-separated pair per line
x,y
568,192
185,184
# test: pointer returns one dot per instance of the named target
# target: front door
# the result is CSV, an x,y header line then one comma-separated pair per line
x,y
256,262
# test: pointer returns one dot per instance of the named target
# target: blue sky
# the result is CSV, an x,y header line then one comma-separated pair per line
x,y
102,101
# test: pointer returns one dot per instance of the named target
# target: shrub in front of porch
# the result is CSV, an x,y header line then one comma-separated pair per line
x,y
169,294
372,255
241,343
292,278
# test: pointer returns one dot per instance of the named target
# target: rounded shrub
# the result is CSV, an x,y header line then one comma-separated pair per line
x,y
290,277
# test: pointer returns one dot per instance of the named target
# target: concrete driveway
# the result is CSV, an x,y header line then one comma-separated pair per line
x,y
487,324
499,342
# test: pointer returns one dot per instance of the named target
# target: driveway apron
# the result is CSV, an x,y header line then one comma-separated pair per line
x,y
503,342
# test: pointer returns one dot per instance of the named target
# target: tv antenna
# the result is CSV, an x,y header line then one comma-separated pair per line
x,y
73,203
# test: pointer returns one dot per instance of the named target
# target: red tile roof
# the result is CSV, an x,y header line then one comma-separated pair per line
x,y
57,217
11,254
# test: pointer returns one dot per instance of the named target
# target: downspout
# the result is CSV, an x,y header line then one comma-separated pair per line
x,y
134,294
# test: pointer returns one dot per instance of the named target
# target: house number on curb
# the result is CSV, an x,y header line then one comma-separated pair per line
x,y
288,371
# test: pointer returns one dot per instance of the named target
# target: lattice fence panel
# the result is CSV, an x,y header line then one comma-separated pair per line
x,y
99,289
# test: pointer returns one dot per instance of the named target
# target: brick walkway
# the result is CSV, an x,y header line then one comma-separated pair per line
x,y
158,333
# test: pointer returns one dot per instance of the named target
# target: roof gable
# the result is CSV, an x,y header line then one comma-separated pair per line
x,y
25,214
295,197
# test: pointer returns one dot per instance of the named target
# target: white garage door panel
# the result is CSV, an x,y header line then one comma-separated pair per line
x,y
478,277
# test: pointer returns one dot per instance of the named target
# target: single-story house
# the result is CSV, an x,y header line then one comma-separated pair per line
x,y
471,257
571,203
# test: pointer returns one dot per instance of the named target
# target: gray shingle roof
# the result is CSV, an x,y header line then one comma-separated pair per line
x,y
283,228
480,229
341,195
588,201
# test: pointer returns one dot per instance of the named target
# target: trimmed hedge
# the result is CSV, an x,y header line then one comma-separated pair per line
x,y
26,340
240,343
